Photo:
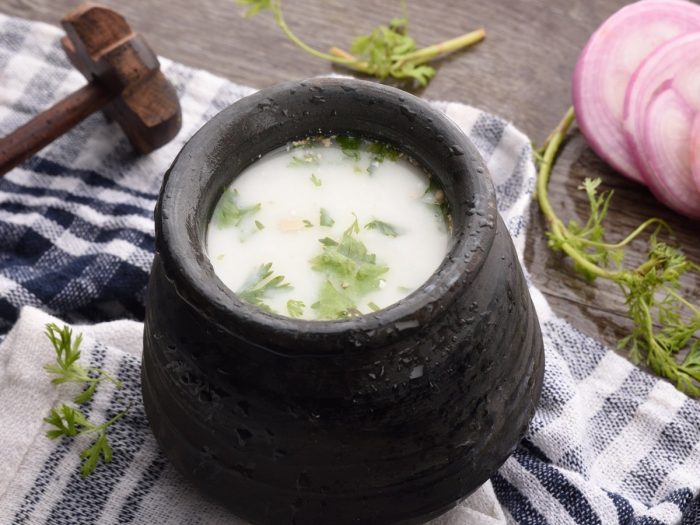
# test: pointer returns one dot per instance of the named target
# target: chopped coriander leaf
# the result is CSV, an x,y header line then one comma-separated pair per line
x,y
229,213
435,197
259,225
326,219
327,241
315,180
351,272
309,158
353,228
350,145
259,286
383,227
308,224
295,308
373,306
332,304
381,151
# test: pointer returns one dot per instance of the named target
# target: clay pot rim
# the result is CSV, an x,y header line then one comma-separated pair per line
x,y
185,205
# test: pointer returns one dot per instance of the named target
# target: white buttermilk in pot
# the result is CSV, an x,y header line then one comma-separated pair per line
x,y
328,228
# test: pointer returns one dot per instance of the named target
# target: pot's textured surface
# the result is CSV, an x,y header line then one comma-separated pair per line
x,y
392,417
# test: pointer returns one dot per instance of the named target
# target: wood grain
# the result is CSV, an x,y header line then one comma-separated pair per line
x,y
521,72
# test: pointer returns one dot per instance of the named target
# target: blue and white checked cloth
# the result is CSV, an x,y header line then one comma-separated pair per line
x,y
609,444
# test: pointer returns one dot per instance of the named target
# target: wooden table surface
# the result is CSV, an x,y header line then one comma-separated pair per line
x,y
521,72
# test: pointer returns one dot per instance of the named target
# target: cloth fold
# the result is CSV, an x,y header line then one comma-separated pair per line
x,y
608,444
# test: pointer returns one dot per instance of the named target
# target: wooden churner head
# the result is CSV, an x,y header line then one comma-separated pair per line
x,y
103,47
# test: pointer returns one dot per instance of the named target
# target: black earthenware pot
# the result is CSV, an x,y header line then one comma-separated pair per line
x,y
392,417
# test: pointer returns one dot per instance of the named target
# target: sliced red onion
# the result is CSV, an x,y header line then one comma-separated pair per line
x,y
662,100
695,150
668,122
607,63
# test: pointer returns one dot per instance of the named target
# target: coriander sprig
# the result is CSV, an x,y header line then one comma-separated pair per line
x,y
71,422
260,285
665,325
67,369
382,227
295,308
388,51
229,212
350,271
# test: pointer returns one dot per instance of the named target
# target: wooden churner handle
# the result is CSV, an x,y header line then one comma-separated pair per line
x,y
46,127
124,79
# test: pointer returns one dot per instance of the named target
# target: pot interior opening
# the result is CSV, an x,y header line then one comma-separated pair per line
x,y
328,227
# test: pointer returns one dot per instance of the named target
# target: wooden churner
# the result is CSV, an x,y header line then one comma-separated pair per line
x,y
124,80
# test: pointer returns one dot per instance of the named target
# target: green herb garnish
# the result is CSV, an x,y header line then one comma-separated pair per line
x,y
326,219
259,286
315,180
351,272
373,306
382,227
259,225
350,146
388,51
229,213
333,303
435,198
307,223
327,241
381,151
71,422
295,308
665,325
67,369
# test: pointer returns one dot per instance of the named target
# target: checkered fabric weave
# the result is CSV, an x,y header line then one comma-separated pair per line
x,y
609,444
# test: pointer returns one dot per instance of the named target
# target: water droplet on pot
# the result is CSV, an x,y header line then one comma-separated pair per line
x,y
416,372
457,151
408,113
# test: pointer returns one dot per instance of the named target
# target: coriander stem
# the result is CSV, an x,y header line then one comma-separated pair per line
x,y
684,301
109,378
638,231
545,169
282,24
106,424
341,53
557,227
353,63
429,53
